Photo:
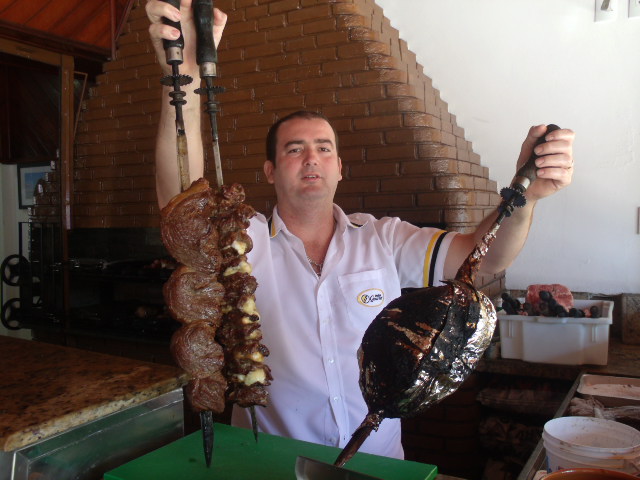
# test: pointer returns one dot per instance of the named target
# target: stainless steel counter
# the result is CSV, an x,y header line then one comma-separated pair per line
x,y
69,413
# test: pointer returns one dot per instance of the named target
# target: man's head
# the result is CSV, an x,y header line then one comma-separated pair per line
x,y
303,162
272,135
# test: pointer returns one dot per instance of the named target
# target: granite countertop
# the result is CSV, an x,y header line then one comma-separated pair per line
x,y
47,389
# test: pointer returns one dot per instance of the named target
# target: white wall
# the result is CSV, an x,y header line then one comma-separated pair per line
x,y
504,65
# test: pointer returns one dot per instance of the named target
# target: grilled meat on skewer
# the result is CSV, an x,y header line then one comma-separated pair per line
x,y
207,394
240,335
421,347
212,295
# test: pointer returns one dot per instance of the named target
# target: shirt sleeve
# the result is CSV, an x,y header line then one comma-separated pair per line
x,y
419,253
434,258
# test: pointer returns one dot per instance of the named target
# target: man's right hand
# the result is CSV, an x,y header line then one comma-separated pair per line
x,y
156,9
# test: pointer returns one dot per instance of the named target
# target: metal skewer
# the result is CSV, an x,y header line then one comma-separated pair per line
x,y
206,57
206,423
173,51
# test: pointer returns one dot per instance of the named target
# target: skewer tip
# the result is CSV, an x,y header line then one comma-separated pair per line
x,y
206,423
254,422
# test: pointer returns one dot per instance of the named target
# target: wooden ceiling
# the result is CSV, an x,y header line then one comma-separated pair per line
x,y
86,27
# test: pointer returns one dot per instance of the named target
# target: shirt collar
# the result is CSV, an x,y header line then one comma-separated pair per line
x,y
276,224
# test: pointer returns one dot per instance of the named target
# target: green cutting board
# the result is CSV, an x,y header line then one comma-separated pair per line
x,y
237,456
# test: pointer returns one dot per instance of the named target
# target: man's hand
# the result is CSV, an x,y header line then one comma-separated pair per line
x,y
555,168
156,9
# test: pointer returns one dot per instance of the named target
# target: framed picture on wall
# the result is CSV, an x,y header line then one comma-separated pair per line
x,y
28,177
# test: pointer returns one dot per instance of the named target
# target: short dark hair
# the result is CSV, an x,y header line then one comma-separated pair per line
x,y
272,135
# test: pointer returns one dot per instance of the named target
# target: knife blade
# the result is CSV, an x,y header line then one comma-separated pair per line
x,y
310,469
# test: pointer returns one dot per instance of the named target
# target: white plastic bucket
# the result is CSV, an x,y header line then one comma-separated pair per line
x,y
572,442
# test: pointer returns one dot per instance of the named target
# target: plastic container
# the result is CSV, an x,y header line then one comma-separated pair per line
x,y
559,340
586,442
588,474
611,391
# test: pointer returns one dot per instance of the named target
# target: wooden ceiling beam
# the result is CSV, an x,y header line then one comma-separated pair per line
x,y
37,38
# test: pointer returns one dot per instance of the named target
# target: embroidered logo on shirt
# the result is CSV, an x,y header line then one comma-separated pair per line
x,y
372,297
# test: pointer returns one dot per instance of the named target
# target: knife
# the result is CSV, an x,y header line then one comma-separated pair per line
x,y
310,469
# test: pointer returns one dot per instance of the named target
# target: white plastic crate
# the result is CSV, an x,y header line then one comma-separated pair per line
x,y
559,340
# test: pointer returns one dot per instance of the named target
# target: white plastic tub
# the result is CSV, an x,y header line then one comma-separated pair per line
x,y
559,340
579,442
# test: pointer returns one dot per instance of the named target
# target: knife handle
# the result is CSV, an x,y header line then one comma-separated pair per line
x,y
173,48
205,47
527,173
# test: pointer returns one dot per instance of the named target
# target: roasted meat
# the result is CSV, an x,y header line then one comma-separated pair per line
x,y
188,233
207,394
212,293
192,295
424,344
421,347
194,348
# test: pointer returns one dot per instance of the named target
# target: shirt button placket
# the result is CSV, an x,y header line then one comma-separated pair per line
x,y
329,356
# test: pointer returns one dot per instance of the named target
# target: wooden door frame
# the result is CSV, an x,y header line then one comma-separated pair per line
x,y
65,63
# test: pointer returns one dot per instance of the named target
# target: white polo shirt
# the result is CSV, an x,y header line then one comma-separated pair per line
x,y
313,326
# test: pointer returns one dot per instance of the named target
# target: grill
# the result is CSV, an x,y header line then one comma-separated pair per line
x,y
121,298
110,285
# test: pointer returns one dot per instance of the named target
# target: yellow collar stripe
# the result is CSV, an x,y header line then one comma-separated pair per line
x,y
272,228
430,258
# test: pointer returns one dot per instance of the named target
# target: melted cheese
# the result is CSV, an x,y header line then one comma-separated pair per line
x,y
242,267
255,335
239,247
249,307
256,376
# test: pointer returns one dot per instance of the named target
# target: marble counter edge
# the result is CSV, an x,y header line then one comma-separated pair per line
x,y
63,423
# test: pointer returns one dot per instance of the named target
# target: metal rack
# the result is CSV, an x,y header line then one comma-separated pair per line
x,y
32,288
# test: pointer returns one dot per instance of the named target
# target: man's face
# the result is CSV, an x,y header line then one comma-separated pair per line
x,y
307,163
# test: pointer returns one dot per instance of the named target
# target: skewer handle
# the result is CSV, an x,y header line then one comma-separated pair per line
x,y
173,48
527,173
205,47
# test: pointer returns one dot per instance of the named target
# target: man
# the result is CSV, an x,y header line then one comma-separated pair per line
x,y
323,275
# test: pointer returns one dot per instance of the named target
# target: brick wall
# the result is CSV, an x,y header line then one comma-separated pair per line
x,y
402,151
446,434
